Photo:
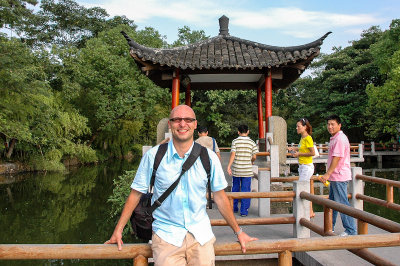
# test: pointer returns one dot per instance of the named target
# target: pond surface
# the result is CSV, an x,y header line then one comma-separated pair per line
x,y
59,208
72,208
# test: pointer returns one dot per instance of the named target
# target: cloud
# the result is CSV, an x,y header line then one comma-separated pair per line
x,y
292,17
288,20
189,11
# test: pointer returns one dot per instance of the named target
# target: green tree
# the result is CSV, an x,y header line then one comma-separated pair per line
x,y
15,12
187,36
65,22
123,106
32,115
338,86
222,122
384,101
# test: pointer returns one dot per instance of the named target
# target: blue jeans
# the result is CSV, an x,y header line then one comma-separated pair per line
x,y
338,193
241,184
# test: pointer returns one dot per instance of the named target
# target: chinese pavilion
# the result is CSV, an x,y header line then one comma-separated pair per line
x,y
225,62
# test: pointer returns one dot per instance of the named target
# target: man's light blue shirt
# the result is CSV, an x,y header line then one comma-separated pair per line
x,y
185,208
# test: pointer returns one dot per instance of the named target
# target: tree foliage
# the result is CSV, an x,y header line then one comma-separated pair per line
x,y
383,110
68,87
187,36
339,86
32,114
102,81
13,13
65,22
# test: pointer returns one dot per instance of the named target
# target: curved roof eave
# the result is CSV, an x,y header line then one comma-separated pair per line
x,y
225,52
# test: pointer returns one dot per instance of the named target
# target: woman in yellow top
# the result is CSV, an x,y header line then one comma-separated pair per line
x,y
305,150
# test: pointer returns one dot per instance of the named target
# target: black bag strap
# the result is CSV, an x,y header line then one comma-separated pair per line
x,y
195,153
205,160
162,149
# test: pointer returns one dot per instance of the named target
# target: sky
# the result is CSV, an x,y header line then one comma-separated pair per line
x,y
279,23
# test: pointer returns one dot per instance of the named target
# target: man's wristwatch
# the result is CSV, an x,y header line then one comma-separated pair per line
x,y
238,232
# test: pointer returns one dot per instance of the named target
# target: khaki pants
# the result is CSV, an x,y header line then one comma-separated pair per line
x,y
190,253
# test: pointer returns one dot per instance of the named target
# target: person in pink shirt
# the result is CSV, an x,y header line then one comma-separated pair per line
x,y
339,172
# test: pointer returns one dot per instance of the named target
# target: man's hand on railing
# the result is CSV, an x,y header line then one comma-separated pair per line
x,y
245,238
116,238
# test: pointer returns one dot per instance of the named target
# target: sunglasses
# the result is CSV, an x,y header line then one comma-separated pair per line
x,y
179,119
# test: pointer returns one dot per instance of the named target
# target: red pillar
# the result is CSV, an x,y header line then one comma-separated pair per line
x,y
261,133
175,89
188,98
268,98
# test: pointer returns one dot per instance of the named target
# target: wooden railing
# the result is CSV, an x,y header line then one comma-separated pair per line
x,y
141,252
388,203
376,146
363,219
323,148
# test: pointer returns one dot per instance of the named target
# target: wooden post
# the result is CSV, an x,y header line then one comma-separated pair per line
x,y
362,227
268,99
188,97
231,201
285,258
175,89
389,193
327,219
140,260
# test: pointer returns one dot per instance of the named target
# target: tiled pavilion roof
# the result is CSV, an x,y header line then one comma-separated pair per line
x,y
226,54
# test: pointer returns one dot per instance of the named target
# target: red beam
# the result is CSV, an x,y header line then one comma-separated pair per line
x,y
261,133
175,89
268,99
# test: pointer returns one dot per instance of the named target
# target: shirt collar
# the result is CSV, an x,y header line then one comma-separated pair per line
x,y
336,135
171,152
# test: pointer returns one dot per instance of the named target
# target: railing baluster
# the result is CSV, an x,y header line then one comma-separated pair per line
x,y
362,227
140,260
327,219
389,193
285,258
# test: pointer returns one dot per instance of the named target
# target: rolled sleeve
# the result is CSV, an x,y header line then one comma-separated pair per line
x,y
141,182
218,180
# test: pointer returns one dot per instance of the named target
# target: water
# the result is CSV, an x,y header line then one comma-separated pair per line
x,y
56,208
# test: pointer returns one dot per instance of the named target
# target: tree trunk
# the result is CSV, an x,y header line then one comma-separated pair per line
x,y
11,148
4,138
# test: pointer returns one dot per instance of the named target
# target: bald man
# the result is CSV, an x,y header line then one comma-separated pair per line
x,y
182,233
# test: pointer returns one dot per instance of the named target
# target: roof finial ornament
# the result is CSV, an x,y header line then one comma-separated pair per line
x,y
223,25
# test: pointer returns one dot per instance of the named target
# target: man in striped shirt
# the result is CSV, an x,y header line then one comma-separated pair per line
x,y
243,155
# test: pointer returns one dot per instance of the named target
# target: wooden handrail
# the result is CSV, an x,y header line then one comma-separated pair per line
x,y
250,195
256,221
375,220
362,253
378,180
130,251
384,203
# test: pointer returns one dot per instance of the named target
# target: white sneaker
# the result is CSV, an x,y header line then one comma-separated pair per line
x,y
344,234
